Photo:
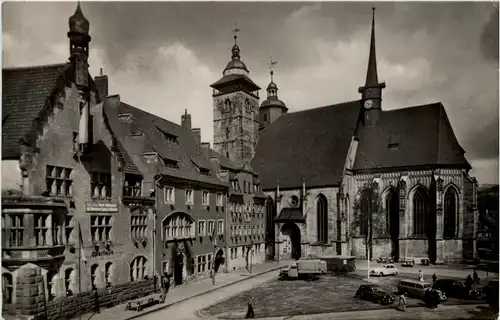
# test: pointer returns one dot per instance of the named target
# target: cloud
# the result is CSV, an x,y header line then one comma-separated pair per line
x,y
162,56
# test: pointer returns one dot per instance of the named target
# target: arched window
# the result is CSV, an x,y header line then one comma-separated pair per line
x,y
270,219
93,275
365,212
51,284
322,219
7,288
108,273
68,281
392,212
138,268
178,226
450,213
420,212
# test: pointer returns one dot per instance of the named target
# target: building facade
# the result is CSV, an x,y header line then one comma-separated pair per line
x,y
319,167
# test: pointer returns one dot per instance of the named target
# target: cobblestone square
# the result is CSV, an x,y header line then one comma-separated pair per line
x,y
295,297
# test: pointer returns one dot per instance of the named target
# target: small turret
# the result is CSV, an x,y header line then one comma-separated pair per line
x,y
271,108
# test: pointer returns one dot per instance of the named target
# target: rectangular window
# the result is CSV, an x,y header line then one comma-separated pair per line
x,y
189,196
211,226
202,261
138,226
209,262
201,228
100,228
169,163
14,227
169,195
100,185
41,229
132,186
205,198
68,224
219,199
220,226
58,181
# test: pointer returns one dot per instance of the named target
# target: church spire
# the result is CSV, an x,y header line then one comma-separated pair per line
x,y
272,88
371,74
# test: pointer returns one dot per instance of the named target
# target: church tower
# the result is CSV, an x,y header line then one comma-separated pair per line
x,y
236,114
371,92
271,108
79,39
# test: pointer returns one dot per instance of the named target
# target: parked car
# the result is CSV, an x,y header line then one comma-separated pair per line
x,y
416,289
385,260
491,293
408,263
375,293
456,289
386,270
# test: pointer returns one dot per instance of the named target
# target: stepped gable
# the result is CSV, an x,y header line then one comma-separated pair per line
x,y
409,137
310,144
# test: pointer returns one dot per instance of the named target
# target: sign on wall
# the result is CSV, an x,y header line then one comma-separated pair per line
x,y
101,207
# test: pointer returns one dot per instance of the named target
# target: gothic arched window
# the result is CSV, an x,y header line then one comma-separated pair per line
x,y
93,275
322,219
69,276
7,288
420,212
392,212
108,269
450,213
178,226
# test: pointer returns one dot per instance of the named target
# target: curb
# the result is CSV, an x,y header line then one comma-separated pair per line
x,y
200,294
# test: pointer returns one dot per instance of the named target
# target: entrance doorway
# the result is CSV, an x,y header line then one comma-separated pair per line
x,y
392,207
291,231
178,268
219,259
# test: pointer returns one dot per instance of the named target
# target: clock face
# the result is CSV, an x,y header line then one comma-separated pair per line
x,y
368,104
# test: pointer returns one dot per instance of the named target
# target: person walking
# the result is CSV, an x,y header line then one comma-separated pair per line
x,y
96,297
402,302
420,276
475,276
434,278
250,314
212,275
165,286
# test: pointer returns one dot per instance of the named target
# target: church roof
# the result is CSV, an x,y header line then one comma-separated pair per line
x,y
415,136
310,145
158,136
24,93
233,78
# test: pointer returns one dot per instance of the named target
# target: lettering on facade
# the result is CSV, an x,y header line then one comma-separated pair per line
x,y
101,207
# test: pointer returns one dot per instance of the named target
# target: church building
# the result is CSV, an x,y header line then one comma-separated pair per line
x,y
320,169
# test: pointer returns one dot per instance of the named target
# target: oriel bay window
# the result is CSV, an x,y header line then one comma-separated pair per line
x,y
132,186
13,230
100,228
100,185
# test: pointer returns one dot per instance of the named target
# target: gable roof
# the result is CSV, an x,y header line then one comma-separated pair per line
x,y
310,144
24,94
185,152
420,136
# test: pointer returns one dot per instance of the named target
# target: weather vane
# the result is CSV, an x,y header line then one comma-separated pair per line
x,y
235,32
272,64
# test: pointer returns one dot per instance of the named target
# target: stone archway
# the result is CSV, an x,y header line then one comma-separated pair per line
x,y
219,259
178,268
291,246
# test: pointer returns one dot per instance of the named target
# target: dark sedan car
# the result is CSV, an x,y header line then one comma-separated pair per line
x,y
374,293
456,289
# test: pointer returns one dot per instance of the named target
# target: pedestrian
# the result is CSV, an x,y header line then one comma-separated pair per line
x,y
212,275
420,276
434,278
469,282
475,276
402,302
96,296
250,313
165,286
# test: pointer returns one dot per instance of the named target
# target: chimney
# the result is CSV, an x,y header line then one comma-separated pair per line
x,y
197,136
186,122
205,148
101,83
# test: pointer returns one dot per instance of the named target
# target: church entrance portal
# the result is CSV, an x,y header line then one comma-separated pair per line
x,y
178,267
291,245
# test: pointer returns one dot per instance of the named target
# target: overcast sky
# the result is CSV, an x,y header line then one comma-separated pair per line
x,y
163,56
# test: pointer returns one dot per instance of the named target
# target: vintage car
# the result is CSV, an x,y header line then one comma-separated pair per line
x,y
456,289
408,263
375,293
386,270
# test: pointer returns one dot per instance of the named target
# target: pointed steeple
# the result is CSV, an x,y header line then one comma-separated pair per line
x,y
373,88
371,74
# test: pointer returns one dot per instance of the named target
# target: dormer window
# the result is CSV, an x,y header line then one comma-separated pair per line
x,y
125,117
204,171
168,136
169,163
137,133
